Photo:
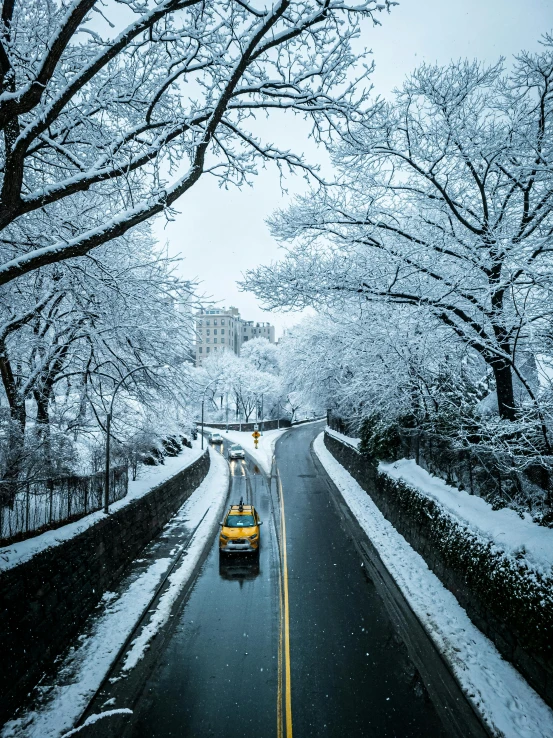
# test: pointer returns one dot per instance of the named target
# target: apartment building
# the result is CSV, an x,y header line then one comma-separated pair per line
x,y
218,329
251,329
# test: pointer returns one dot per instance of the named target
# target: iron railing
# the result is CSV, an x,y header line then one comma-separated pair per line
x,y
43,504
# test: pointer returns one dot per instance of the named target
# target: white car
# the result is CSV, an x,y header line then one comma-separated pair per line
x,y
236,452
215,438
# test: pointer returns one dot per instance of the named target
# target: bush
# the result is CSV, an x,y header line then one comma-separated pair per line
x,y
171,446
379,439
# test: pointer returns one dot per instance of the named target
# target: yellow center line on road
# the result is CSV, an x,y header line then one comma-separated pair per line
x,y
285,626
280,731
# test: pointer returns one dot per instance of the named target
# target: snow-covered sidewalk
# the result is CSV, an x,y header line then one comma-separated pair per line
x,y
505,700
517,537
150,477
347,440
266,446
84,669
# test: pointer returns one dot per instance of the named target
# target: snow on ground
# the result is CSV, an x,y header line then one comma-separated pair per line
x,y
84,669
150,477
94,719
184,571
505,700
347,440
516,536
266,446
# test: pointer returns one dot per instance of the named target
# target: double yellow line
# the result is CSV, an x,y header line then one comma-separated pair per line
x,y
284,632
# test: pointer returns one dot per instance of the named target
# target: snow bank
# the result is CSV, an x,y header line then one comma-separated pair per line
x,y
347,440
215,494
266,446
84,669
150,477
517,537
505,700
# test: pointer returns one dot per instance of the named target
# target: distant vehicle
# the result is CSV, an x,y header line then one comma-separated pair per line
x,y
236,452
215,438
240,530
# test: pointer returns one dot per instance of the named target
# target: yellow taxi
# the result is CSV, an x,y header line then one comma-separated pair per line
x,y
240,530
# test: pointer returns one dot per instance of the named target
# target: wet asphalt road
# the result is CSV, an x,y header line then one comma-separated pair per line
x,y
351,674
218,674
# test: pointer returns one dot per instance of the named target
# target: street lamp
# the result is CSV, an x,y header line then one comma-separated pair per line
x,y
203,400
108,428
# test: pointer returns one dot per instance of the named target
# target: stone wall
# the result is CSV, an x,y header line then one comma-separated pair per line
x,y
45,601
510,604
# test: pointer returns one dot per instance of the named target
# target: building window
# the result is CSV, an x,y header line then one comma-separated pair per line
x,y
207,332
215,331
207,350
207,340
222,321
222,331
215,321
200,349
214,340
245,338
207,322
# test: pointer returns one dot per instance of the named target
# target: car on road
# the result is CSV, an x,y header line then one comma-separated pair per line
x,y
240,530
236,452
215,438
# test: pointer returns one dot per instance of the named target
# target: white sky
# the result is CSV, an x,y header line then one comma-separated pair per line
x,y
221,233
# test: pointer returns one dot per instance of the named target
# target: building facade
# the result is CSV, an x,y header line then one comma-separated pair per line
x,y
251,329
218,329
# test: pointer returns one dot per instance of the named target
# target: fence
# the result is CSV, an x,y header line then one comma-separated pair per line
x,y
41,505
475,469
249,426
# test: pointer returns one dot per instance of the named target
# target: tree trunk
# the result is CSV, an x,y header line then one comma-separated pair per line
x,y
42,400
14,458
503,375
42,411
16,432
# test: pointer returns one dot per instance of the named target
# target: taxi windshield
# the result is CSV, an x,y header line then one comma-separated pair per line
x,y
240,521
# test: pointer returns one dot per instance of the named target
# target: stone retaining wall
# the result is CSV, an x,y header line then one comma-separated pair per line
x,y
510,604
45,601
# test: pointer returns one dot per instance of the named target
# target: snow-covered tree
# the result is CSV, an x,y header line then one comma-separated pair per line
x,y
444,203
72,331
263,354
241,379
132,102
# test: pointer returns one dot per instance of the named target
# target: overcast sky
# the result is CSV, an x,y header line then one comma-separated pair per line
x,y
221,233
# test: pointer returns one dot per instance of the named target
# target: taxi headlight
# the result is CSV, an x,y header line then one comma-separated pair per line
x,y
224,536
254,536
